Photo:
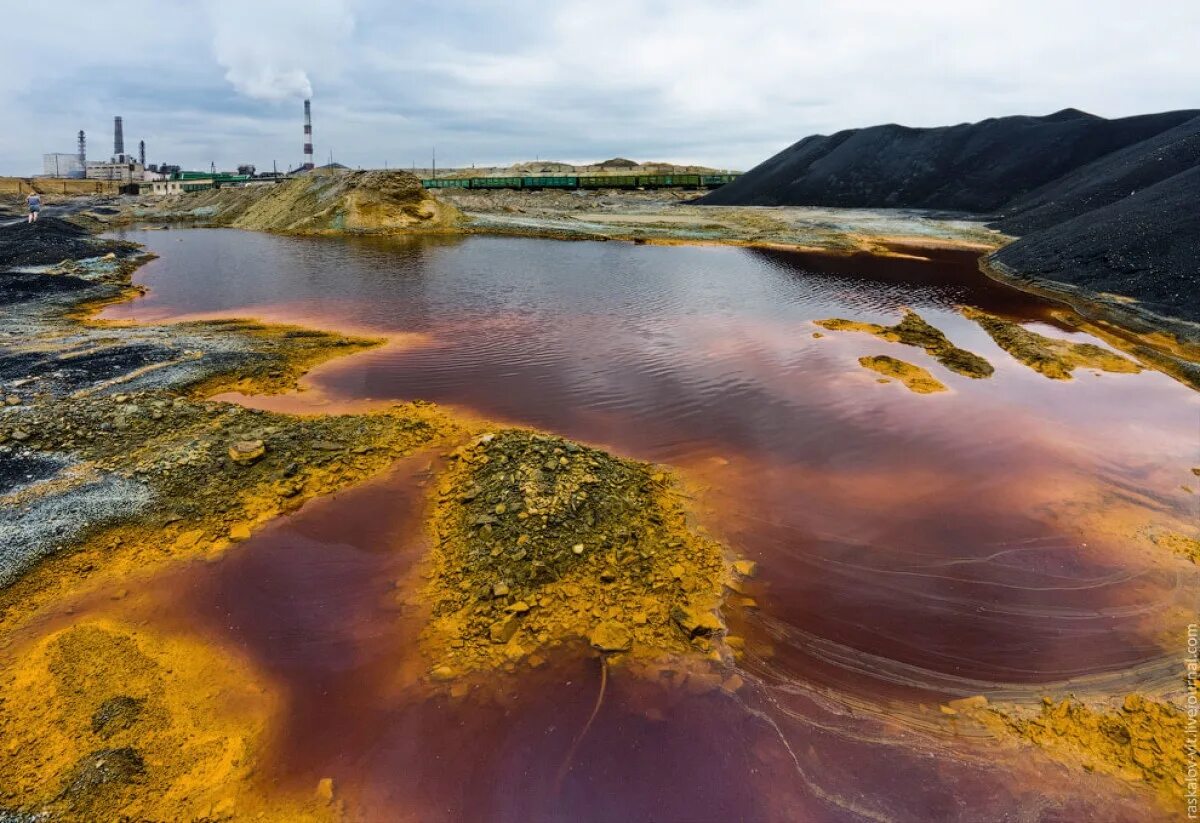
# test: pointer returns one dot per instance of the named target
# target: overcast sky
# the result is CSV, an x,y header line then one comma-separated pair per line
x,y
716,82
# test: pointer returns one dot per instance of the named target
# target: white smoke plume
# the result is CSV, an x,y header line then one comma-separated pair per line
x,y
268,47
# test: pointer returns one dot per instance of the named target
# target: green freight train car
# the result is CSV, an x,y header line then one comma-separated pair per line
x,y
593,182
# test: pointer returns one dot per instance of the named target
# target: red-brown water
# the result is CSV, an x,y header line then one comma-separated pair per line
x,y
911,548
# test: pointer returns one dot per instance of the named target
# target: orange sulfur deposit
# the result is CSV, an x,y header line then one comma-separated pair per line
x,y
539,541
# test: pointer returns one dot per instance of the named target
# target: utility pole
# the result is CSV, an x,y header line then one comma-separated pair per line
x,y
435,162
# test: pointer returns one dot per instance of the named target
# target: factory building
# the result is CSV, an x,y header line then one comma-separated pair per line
x,y
62,165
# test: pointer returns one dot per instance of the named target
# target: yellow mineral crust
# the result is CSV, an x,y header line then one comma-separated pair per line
x,y
1141,741
914,331
1054,358
539,541
103,721
1181,544
914,378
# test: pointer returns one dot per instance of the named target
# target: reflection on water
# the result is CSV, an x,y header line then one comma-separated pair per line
x,y
911,548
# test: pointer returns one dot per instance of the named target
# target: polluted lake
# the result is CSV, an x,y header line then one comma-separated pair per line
x,y
659,533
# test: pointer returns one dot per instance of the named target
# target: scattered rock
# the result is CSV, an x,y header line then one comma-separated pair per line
x,y
503,630
611,636
745,568
324,791
442,674
116,714
696,623
245,452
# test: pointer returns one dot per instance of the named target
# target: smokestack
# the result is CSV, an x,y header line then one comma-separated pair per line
x,y
308,149
118,138
82,150
142,152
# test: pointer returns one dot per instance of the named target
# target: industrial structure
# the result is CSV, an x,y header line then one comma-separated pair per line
x,y
308,144
123,167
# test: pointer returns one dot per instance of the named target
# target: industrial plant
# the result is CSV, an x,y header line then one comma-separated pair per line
x,y
137,177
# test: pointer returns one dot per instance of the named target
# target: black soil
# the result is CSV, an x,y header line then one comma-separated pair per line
x,y
1145,246
1101,206
1101,183
51,240
971,167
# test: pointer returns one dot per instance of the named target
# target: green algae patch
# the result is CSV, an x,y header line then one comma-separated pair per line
x,y
914,378
539,541
914,331
1141,741
1054,358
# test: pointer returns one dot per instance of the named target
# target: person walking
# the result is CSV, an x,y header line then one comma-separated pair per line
x,y
35,205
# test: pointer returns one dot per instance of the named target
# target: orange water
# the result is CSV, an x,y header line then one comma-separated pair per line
x,y
911,548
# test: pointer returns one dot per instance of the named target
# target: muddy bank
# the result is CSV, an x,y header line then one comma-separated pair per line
x,y
671,218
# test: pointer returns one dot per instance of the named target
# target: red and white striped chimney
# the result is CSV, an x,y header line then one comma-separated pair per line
x,y
308,150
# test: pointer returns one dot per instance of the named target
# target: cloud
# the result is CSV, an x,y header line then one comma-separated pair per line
x,y
490,81
269,47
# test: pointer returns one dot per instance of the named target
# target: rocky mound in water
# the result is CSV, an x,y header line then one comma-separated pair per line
x,y
914,331
352,202
1055,359
539,541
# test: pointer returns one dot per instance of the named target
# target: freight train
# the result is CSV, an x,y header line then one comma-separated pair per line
x,y
610,181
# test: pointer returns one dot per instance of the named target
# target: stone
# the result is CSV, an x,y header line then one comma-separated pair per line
x,y
577,548
968,703
20,435
732,683
500,589
520,607
239,533
12,400
611,636
441,674
695,623
245,452
745,568
503,631
324,791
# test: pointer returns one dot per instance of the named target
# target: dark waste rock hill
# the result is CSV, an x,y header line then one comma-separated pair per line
x,y
1145,246
1123,173
1100,207
973,167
